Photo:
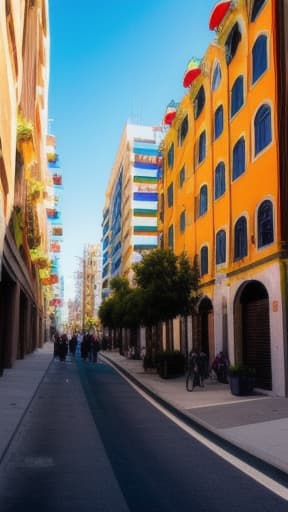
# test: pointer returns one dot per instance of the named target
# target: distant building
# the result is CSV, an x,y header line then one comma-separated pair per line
x,y
91,284
129,224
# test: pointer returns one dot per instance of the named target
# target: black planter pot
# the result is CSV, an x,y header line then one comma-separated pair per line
x,y
241,385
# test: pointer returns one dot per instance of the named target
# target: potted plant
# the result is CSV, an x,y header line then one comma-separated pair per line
x,y
241,379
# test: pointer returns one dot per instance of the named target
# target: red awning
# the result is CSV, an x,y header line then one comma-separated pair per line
x,y
169,117
218,13
190,76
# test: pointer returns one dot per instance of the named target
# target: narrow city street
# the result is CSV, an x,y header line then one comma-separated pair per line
x,y
90,441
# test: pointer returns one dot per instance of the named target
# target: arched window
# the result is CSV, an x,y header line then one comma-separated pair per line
x,y
199,102
262,128
203,206
238,158
219,180
204,260
182,221
232,43
202,147
259,57
240,238
217,75
220,247
218,122
171,237
265,224
257,7
183,130
237,95
170,156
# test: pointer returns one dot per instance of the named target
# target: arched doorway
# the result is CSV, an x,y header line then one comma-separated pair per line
x,y
256,346
205,309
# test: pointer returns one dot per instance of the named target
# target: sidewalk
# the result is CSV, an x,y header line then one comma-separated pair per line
x,y
18,386
257,424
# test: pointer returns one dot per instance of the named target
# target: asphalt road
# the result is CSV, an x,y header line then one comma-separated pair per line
x,y
90,442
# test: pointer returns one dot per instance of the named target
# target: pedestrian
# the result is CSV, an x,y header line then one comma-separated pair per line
x,y
94,348
73,344
63,347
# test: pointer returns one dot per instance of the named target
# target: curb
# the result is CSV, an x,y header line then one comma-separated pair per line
x,y
253,460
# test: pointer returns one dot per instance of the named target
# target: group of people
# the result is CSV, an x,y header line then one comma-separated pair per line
x,y
88,345
198,369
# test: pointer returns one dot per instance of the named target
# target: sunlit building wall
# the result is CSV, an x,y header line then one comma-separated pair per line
x,y
225,191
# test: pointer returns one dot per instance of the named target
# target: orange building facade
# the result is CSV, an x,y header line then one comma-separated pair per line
x,y
224,190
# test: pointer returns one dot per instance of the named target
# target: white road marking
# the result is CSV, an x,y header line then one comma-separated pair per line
x,y
259,477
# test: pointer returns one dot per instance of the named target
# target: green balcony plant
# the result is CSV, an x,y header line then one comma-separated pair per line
x,y
24,129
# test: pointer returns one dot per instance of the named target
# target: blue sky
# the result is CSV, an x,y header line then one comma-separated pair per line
x,y
111,62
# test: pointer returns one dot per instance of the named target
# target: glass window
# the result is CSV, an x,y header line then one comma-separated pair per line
x,y
257,7
203,206
238,158
170,156
170,195
171,237
262,128
265,224
182,177
220,247
202,147
219,180
259,58
182,221
237,95
218,122
199,102
204,260
240,238
217,75
183,130
232,43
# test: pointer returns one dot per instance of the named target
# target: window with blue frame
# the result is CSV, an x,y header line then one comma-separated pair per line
x,y
182,177
265,224
203,203
171,237
238,158
259,57
170,156
220,247
237,95
204,260
202,147
232,43
257,8
199,102
262,128
219,180
170,198
240,238
182,221
218,122
217,75
183,130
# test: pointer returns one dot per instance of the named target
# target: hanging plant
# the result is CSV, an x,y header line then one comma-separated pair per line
x,y
35,190
24,129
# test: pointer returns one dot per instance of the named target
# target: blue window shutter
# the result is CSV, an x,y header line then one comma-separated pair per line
x,y
204,260
237,95
218,122
240,238
220,247
202,147
203,200
262,128
265,224
238,158
259,57
219,180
